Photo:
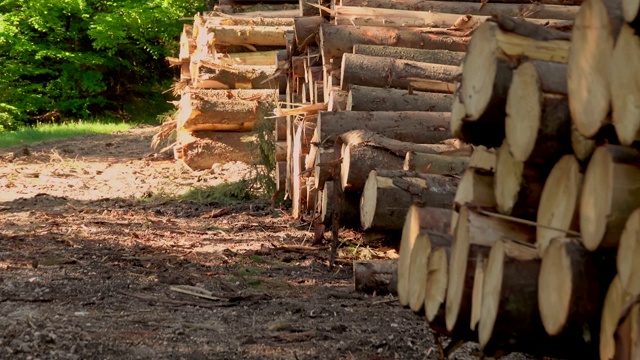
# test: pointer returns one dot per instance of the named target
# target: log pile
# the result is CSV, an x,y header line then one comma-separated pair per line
x,y
546,220
498,150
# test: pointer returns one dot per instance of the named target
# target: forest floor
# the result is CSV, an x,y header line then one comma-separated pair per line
x,y
96,245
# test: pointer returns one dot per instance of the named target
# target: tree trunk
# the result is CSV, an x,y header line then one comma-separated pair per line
x,y
281,150
200,150
248,78
376,276
281,175
625,87
518,185
476,188
259,58
435,163
628,253
572,286
558,208
409,126
610,193
324,166
232,20
403,74
474,235
350,207
588,70
336,40
514,8
362,98
337,100
538,123
250,35
223,110
442,57
387,194
363,151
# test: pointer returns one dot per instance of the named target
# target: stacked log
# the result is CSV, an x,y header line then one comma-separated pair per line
x,y
545,219
228,83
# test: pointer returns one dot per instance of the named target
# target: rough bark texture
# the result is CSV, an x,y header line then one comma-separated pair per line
x,y
376,276
410,126
336,40
435,163
387,194
442,57
402,74
363,98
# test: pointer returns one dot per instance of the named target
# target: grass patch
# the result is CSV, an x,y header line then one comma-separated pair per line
x,y
31,135
223,194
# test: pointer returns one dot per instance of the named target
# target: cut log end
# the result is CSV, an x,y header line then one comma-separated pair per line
x,y
559,201
554,286
508,179
479,70
369,200
437,279
418,272
588,67
409,233
491,293
595,202
457,270
628,255
625,88
611,311
524,111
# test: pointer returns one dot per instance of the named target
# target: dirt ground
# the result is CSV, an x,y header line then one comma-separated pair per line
x,y
93,265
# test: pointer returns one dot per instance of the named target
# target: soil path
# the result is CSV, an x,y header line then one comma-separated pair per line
x,y
91,265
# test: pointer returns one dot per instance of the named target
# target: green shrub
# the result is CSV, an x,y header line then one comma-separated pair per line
x,y
83,57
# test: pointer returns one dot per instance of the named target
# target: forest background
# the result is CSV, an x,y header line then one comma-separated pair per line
x,y
87,59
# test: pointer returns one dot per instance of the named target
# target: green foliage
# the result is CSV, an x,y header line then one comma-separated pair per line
x,y
30,135
83,56
264,149
223,194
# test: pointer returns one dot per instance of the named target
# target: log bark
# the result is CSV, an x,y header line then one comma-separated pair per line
x,y
306,30
350,207
200,150
324,166
249,35
473,237
363,151
281,175
476,188
518,184
442,57
409,126
281,150
232,20
572,286
224,110
259,58
377,277
435,163
363,98
387,194
402,74
628,253
538,123
625,86
248,78
514,8
610,193
588,69
280,131
336,40
558,208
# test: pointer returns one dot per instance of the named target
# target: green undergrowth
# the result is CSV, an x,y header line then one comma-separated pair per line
x,y
31,135
224,194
